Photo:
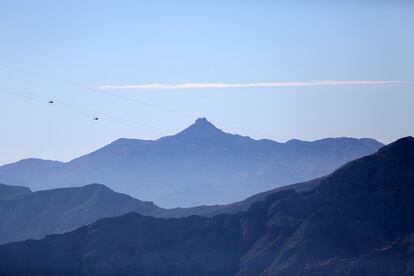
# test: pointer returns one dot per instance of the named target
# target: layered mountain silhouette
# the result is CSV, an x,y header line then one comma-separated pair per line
x,y
25,214
200,165
356,221
8,192
33,215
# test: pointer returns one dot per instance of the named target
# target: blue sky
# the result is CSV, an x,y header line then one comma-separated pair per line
x,y
96,43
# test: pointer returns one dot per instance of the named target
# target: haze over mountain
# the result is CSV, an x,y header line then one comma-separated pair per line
x,y
356,221
200,165
8,192
33,215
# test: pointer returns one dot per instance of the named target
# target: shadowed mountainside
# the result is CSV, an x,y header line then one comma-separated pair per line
x,y
356,221
33,215
198,166
26,215
8,192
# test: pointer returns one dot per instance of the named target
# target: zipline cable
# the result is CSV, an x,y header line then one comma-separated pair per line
x,y
151,105
137,125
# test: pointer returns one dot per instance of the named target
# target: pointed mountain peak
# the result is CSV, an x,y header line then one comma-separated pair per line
x,y
203,122
201,127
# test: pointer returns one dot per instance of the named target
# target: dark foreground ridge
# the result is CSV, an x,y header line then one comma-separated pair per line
x,y
357,221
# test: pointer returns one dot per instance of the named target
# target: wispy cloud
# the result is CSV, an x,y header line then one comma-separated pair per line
x,y
168,86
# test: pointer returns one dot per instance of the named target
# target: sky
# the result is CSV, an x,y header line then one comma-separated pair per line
x,y
267,69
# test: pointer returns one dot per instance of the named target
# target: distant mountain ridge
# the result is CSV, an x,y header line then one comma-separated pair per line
x,y
200,165
8,192
355,221
36,214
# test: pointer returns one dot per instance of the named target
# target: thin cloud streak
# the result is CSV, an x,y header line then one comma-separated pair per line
x,y
162,86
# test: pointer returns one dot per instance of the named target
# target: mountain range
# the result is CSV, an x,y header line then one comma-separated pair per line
x,y
198,166
355,221
25,214
33,215
8,192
